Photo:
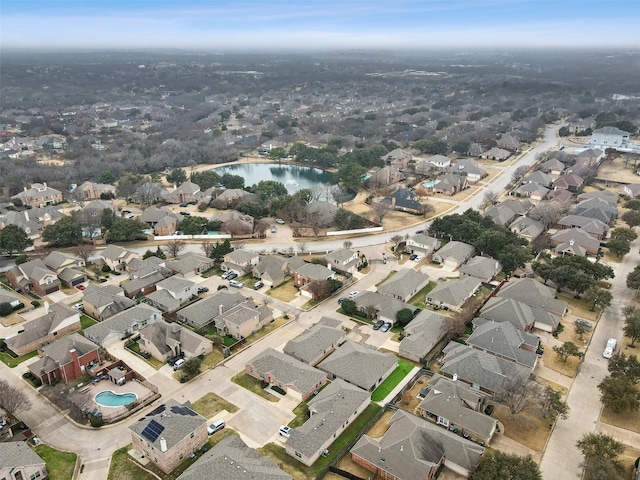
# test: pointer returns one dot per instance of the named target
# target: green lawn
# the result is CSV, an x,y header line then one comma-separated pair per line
x,y
391,381
210,404
86,322
418,298
60,465
301,413
253,385
13,362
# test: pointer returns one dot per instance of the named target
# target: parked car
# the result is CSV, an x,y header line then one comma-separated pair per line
x,y
235,283
273,229
80,287
378,324
342,299
585,323
285,431
186,214
419,257
232,275
418,232
354,294
279,221
258,285
182,205
215,427
178,365
413,257
386,327
226,274
203,289
610,348
78,306
172,360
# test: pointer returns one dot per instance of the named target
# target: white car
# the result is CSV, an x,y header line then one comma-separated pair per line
x,y
419,257
610,348
354,294
279,221
235,283
285,431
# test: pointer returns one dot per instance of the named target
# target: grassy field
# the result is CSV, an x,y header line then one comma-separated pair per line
x,y
253,385
569,334
391,381
527,428
629,420
418,298
301,413
60,465
284,292
211,359
210,404
86,322
12,362
579,307
552,361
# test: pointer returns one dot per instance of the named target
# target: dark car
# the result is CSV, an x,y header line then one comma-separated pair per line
x,y
342,299
203,289
186,214
232,275
413,257
378,324
182,205
172,360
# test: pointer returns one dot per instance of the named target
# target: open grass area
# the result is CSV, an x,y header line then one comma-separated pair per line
x,y
13,362
629,420
298,470
210,404
552,361
389,275
253,385
284,292
628,459
86,322
418,298
211,359
60,465
569,334
527,428
391,381
301,413
579,307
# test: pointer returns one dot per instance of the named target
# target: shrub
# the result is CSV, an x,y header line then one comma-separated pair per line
x,y
5,309
35,303
20,259
106,269
96,421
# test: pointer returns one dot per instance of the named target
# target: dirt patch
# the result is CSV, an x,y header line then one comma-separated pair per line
x,y
615,170
527,428
412,395
552,361
569,333
381,426
348,465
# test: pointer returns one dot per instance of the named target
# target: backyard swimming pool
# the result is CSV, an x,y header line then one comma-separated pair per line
x,y
112,399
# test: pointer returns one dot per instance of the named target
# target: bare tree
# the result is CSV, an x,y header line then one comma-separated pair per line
x,y
302,246
85,251
261,227
370,311
519,394
207,247
520,172
347,244
548,213
489,199
12,399
380,210
340,195
174,247
148,193
427,209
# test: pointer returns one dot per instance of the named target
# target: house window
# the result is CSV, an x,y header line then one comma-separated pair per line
x,y
299,455
181,455
34,476
443,421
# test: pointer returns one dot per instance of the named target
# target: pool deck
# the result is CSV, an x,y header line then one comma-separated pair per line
x,y
90,391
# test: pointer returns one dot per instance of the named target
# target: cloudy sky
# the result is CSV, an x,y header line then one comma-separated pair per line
x,y
316,24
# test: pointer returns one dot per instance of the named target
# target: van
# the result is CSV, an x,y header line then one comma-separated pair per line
x,y
215,427
179,363
610,348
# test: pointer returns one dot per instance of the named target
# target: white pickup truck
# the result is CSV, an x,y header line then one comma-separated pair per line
x,y
610,348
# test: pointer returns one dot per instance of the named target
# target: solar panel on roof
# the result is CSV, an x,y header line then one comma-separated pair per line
x,y
156,411
152,431
183,411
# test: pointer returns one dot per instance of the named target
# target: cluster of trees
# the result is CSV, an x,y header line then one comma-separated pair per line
x,y
632,216
620,242
619,390
493,240
13,239
601,452
573,272
495,464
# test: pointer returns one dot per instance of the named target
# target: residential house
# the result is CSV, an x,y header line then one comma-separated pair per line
x,y
189,264
500,214
424,167
506,341
559,195
187,192
453,254
469,168
171,293
519,314
413,448
309,273
403,199
632,190
271,270
243,319
534,191
117,258
104,301
404,284
450,183
31,221
33,276
163,340
330,413
421,244
575,241
422,334
534,294
381,306
590,157
18,461
581,170
540,178
598,208
294,377
315,343
7,296
496,153
527,228
609,137
122,325
230,457
144,276
481,370
581,125
203,312
397,158
39,195
454,405
482,268
95,191
55,321
384,176
606,195
508,142
240,260
359,365
344,260
167,226
440,161
553,166
235,222
168,434
65,359
592,226
451,294
520,206
232,197
570,181
67,267
161,217
324,212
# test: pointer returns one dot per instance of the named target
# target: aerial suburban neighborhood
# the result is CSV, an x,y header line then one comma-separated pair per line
x,y
348,269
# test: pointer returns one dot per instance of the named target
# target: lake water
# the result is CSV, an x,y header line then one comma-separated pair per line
x,y
293,177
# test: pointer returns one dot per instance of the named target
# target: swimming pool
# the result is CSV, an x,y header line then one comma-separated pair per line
x,y
109,398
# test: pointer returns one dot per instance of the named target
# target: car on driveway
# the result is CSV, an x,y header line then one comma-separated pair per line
x,y
215,427
80,287
182,205
354,294
378,325
273,229
258,285
386,327
342,299
279,221
285,431
419,257
610,348
413,257
235,283
203,289
172,360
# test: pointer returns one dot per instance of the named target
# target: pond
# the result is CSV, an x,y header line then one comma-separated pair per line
x,y
293,177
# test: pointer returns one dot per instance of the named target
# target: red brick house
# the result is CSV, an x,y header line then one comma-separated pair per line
x,y
33,276
65,359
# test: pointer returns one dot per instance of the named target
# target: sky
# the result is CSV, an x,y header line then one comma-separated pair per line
x,y
225,25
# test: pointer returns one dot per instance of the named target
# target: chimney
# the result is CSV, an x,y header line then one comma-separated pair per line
x,y
46,307
220,309
163,444
455,377
26,215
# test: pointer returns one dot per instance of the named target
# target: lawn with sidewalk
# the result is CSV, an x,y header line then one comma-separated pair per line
x,y
284,292
391,381
253,385
210,404
60,465
11,361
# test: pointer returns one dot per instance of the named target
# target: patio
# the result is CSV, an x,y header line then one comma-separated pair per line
x,y
85,397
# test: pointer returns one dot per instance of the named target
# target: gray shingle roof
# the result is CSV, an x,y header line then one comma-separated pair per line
x,y
203,312
423,333
501,309
57,353
287,370
358,364
331,408
481,267
314,272
18,454
502,338
43,325
457,251
166,335
313,343
232,459
453,292
404,283
121,322
533,293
